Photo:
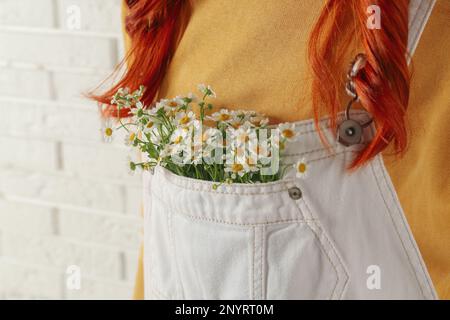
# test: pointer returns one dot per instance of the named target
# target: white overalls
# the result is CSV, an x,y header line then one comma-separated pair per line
x,y
332,235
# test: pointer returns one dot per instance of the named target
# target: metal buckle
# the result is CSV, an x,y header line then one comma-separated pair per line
x,y
350,131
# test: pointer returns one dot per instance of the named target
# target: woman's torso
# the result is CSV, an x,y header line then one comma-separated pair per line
x,y
253,54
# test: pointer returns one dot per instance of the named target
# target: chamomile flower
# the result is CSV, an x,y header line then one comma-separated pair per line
x,y
179,135
206,90
174,103
170,134
185,100
243,135
287,131
133,167
162,104
192,97
259,120
138,110
235,169
130,137
165,152
148,125
150,135
107,130
260,150
251,166
301,168
184,119
221,116
212,137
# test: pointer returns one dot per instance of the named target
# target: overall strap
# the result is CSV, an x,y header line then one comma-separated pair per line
x,y
419,13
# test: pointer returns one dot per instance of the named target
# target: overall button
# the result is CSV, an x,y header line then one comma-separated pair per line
x,y
295,193
350,132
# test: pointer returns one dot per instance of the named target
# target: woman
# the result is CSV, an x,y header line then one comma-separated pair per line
x,y
341,233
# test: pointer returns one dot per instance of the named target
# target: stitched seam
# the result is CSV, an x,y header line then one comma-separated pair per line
x,y
319,150
246,224
174,260
253,262
332,248
406,228
395,226
234,223
320,242
329,258
257,263
341,262
260,266
262,261
322,248
148,263
280,182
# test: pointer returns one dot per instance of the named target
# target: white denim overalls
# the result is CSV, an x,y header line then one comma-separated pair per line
x,y
333,235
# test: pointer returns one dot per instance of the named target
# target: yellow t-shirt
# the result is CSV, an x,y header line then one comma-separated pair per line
x,y
253,53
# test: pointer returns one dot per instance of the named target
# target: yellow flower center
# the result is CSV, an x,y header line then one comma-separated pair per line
x,y
108,132
172,104
224,117
149,124
301,167
132,137
237,167
178,139
184,120
288,133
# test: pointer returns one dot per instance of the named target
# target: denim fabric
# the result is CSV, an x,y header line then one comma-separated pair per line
x,y
253,241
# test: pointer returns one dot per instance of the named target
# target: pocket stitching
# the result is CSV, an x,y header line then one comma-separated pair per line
x,y
217,221
380,189
331,248
178,282
213,220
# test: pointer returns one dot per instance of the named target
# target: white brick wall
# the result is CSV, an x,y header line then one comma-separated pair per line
x,y
65,197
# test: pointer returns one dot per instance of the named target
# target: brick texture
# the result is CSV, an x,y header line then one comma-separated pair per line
x,y
66,198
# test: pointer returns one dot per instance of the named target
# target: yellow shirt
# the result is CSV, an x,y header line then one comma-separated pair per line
x,y
253,53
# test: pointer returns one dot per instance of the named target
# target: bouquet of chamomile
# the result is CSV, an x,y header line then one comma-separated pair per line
x,y
188,137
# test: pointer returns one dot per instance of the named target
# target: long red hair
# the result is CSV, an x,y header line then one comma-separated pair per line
x,y
156,26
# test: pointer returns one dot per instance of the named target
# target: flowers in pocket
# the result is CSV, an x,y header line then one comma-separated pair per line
x,y
188,137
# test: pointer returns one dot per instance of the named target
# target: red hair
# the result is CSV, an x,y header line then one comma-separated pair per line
x,y
156,26
382,85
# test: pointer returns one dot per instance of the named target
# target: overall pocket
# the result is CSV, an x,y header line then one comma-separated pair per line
x,y
237,242
303,263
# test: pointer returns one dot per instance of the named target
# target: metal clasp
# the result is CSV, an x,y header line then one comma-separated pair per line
x,y
350,131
